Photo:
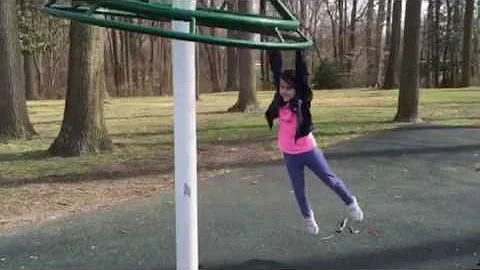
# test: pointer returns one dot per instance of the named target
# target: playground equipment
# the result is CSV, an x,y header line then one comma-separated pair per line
x,y
185,17
118,14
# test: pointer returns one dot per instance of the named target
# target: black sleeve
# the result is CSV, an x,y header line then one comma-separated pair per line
x,y
301,74
276,65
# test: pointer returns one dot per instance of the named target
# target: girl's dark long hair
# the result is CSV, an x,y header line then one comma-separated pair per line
x,y
288,76
298,79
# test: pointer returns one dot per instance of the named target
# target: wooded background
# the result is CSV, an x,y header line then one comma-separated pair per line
x,y
357,43
353,48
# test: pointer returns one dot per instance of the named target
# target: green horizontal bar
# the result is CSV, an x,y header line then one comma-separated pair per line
x,y
115,13
85,18
203,16
108,12
282,9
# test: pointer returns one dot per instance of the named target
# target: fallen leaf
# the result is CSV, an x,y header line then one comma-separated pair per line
x,y
477,167
373,233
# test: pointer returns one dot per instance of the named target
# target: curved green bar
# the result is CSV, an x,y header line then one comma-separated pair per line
x,y
89,19
116,13
203,16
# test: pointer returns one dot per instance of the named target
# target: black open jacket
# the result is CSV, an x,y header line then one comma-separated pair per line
x,y
301,103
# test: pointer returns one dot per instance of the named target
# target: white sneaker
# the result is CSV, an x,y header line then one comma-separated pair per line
x,y
355,211
311,225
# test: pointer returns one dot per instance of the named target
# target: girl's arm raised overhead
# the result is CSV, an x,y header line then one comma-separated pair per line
x,y
301,74
276,65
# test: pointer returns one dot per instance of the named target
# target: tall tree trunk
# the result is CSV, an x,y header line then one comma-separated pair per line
x,y
38,62
428,45
436,50
264,68
30,89
166,70
333,23
232,67
27,51
117,70
129,63
14,121
476,49
391,77
467,43
379,46
352,35
371,76
408,96
247,95
388,27
83,129
447,61
232,56
455,45
341,33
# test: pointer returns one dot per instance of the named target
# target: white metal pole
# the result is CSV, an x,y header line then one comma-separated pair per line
x,y
185,146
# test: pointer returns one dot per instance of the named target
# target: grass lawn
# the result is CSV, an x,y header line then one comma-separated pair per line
x,y
142,131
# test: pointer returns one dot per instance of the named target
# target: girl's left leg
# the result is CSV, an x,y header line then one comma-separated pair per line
x,y
318,164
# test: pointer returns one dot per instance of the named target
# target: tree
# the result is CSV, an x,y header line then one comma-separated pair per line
x,y
379,44
467,43
407,110
391,72
28,39
247,98
83,129
232,83
371,76
351,37
14,121
436,51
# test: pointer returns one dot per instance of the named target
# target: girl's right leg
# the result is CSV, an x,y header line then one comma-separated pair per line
x,y
295,167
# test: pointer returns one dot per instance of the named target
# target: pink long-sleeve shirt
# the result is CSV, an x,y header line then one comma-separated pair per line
x,y
286,134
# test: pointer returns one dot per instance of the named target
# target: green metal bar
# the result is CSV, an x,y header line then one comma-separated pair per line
x,y
82,17
193,26
282,9
218,11
279,35
116,13
103,11
212,18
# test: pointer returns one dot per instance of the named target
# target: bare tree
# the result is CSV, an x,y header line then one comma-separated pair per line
x,y
83,128
379,44
352,36
14,121
407,110
391,72
436,50
371,76
247,94
232,83
467,43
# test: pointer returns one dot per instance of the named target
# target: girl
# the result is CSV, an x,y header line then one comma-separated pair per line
x,y
291,105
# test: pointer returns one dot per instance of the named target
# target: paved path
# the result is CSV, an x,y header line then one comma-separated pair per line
x,y
418,187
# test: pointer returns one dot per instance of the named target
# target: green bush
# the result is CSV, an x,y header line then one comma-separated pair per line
x,y
328,75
